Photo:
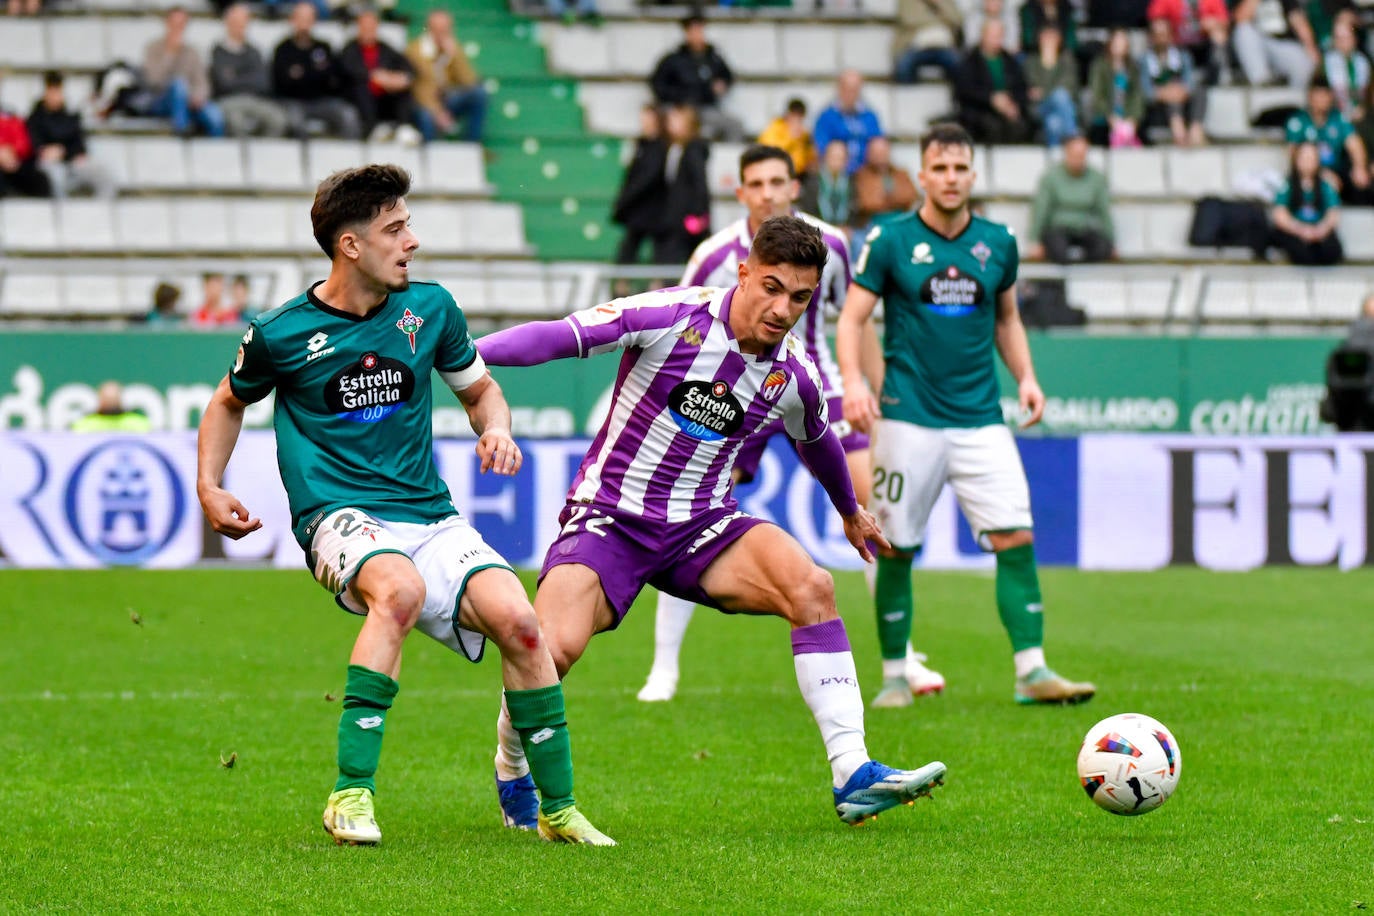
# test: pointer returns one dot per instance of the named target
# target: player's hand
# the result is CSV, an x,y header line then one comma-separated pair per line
x,y
226,514
860,407
1032,401
498,452
861,529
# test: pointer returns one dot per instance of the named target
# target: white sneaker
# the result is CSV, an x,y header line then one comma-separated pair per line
x,y
657,689
921,679
408,136
382,133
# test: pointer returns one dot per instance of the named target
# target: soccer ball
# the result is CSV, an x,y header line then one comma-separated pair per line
x,y
1129,764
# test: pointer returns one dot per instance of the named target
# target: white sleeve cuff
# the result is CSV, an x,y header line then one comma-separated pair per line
x,y
465,378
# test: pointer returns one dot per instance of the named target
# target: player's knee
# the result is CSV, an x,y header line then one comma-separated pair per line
x,y
399,602
516,629
812,597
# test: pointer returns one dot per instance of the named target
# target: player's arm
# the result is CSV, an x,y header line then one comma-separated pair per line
x,y
824,458
220,425
489,414
531,344
851,330
1014,347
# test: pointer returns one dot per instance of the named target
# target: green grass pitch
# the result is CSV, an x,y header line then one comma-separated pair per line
x,y
115,799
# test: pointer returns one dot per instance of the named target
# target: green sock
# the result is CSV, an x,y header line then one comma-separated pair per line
x,y
367,697
1018,597
894,603
539,718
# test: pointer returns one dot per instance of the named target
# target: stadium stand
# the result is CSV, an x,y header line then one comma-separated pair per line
x,y
521,225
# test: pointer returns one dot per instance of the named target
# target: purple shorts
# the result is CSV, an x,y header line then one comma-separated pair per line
x,y
627,551
747,464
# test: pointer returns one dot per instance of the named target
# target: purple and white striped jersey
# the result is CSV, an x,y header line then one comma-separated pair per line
x,y
716,263
685,400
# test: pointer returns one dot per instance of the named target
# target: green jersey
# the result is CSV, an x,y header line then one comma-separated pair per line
x,y
939,312
353,414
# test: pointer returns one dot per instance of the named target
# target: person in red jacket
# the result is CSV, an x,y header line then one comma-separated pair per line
x,y
1201,27
19,172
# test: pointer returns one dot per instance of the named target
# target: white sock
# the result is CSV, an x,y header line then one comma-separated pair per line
x,y
1027,660
871,577
894,667
670,628
510,753
830,686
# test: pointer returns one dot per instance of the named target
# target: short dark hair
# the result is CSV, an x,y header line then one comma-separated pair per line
x,y
790,240
693,18
796,107
947,133
761,153
354,196
1319,81
52,78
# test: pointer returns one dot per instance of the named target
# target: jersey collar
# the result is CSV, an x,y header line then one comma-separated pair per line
x,y
338,313
719,307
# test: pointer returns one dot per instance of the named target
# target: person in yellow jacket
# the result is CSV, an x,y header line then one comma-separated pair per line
x,y
110,414
447,88
789,132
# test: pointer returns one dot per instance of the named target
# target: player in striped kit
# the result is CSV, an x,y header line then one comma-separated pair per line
x,y
653,501
768,186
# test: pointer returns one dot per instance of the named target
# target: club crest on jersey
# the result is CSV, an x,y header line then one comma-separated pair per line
x,y
982,252
951,292
921,254
705,410
409,324
773,385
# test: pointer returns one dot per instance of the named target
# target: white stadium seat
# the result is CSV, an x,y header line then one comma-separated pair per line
x,y
722,169
145,224
324,157
1227,117
1357,233
201,224
914,107
407,157
809,50
158,163
1194,173
578,51
1337,294
1016,170
753,49
25,41
441,227
87,225
866,48
1136,172
1282,298
261,224
28,225
112,152
275,165
455,168
93,294
1166,227
1130,230
30,294
77,42
494,228
216,163
637,47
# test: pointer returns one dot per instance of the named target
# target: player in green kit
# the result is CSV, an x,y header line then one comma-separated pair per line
x,y
947,279
352,360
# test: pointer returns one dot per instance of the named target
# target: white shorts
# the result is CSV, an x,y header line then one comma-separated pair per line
x,y
911,464
445,554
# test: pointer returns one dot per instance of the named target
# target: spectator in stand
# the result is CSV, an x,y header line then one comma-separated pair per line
x,y
19,171
307,78
993,11
1340,151
239,298
1307,211
215,311
569,10
849,119
882,191
240,82
831,195
1052,87
24,7
1173,94
175,83
1037,14
636,204
695,74
1346,69
927,35
447,90
1288,54
789,133
380,78
165,314
1116,99
1364,128
1201,28
686,204
60,141
991,91
1071,216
